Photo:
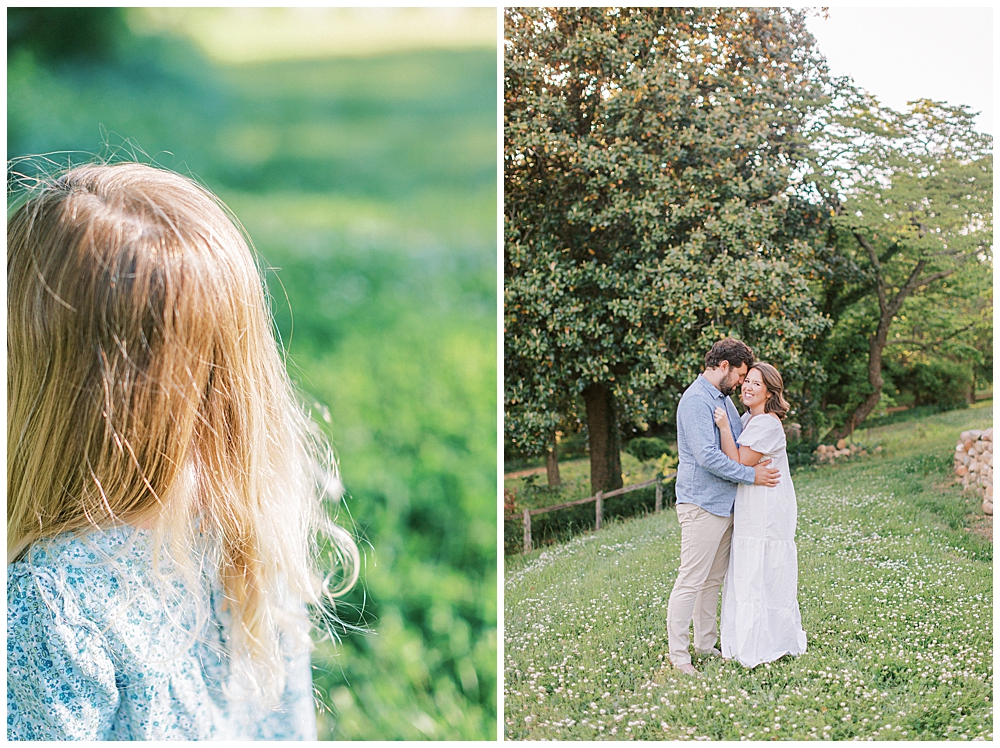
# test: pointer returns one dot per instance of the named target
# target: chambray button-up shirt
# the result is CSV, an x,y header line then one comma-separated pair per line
x,y
705,476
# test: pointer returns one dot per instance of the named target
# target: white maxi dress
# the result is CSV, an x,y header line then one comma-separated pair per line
x,y
760,608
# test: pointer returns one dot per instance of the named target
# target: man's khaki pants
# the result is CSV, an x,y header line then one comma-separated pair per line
x,y
705,544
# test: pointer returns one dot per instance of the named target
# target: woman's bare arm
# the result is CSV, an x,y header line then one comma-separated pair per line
x,y
742,455
749,456
726,442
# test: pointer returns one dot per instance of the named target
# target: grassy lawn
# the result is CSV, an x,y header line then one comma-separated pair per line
x,y
896,600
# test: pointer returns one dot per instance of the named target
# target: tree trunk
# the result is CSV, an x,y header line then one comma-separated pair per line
x,y
552,465
602,426
876,345
877,342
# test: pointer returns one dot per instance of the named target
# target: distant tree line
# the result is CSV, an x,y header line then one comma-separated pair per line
x,y
53,34
676,175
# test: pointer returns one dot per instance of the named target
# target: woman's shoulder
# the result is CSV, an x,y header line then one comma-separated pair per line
x,y
88,567
764,433
89,548
767,421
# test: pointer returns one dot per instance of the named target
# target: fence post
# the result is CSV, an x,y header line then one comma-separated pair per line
x,y
659,497
527,531
600,508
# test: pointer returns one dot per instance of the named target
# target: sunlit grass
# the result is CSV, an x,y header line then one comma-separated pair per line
x,y
896,599
427,217
914,437
252,34
575,480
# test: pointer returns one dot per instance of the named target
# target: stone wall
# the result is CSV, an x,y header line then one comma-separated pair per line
x,y
829,453
974,464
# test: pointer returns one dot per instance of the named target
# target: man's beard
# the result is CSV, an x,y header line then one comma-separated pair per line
x,y
727,386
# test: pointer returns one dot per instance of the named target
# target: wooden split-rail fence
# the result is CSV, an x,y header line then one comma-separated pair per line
x,y
599,498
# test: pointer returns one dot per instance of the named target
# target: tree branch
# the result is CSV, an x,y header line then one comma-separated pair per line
x,y
912,341
936,276
933,344
911,285
877,267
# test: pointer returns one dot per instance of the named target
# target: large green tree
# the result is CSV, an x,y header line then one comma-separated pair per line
x,y
910,237
649,156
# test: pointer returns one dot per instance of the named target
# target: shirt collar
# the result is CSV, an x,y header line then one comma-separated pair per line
x,y
709,387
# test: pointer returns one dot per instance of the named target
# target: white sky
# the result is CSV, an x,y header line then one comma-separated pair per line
x,y
902,54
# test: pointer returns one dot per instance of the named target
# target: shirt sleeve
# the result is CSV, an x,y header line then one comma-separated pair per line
x,y
704,439
763,434
60,677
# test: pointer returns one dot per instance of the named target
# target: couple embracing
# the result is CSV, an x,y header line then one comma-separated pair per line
x,y
736,508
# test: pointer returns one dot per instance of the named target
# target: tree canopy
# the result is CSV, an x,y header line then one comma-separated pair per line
x,y
649,159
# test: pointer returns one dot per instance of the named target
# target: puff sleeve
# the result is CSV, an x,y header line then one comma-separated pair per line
x,y
764,434
60,678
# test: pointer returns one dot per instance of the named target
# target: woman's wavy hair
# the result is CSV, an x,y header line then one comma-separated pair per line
x,y
145,387
775,402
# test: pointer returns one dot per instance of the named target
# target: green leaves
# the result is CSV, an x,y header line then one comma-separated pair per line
x,y
647,157
911,238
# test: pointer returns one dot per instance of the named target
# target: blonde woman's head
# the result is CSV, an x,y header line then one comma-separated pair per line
x,y
145,388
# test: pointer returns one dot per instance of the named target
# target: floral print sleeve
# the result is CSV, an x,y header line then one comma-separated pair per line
x,y
60,678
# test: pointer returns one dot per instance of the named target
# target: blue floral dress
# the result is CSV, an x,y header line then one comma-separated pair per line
x,y
103,644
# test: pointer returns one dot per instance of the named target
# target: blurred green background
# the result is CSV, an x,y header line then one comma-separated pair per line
x,y
368,184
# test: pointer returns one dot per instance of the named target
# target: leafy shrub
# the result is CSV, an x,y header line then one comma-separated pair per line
x,y
801,453
646,448
940,382
513,535
928,464
667,464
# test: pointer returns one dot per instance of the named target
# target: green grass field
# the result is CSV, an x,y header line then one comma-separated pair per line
x,y
575,477
368,186
896,600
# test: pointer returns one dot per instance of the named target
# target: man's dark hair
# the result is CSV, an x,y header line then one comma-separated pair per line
x,y
736,352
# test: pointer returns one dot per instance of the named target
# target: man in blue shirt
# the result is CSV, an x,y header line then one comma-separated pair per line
x,y
706,491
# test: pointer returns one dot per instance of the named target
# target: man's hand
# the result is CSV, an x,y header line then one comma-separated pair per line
x,y
765,476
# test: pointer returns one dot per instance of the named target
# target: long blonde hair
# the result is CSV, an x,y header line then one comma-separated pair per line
x,y
145,388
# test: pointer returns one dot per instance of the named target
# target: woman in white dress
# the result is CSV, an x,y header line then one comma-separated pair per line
x,y
760,609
